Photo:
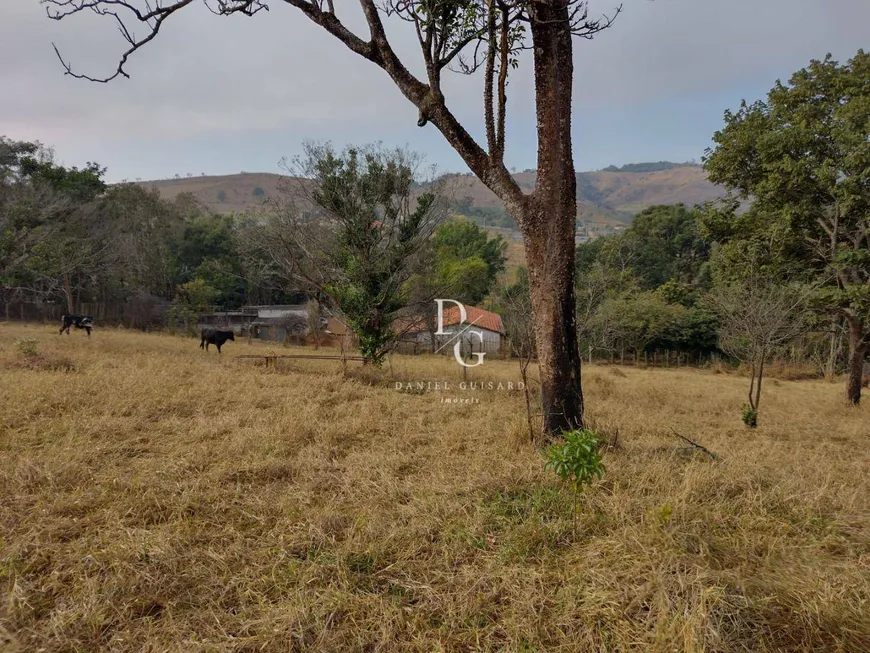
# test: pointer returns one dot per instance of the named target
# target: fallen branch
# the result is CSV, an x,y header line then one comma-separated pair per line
x,y
696,445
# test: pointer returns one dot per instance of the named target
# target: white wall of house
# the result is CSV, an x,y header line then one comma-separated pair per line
x,y
282,312
491,339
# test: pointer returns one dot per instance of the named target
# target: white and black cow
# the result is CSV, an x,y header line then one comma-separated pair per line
x,y
85,322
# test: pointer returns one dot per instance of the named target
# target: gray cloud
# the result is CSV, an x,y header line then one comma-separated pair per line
x,y
691,46
207,75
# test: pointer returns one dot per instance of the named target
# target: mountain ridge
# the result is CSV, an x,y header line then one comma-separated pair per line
x,y
606,196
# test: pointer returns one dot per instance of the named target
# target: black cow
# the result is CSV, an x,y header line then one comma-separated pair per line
x,y
85,322
215,337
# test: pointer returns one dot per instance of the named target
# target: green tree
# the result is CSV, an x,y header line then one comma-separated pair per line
x,y
603,274
461,262
364,243
208,249
193,297
803,157
12,155
663,243
669,246
264,276
146,227
638,322
225,276
468,261
24,213
577,461
51,242
588,254
661,265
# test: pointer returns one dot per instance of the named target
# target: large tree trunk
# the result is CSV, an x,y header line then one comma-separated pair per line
x,y
858,348
551,277
548,223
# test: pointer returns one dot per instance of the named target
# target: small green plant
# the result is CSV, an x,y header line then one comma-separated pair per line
x,y
663,514
576,460
360,563
26,346
750,416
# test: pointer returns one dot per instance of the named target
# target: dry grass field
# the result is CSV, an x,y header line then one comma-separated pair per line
x,y
157,498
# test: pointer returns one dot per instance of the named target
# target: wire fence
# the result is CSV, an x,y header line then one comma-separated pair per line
x,y
490,344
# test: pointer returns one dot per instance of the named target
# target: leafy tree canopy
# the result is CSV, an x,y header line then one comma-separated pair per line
x,y
803,156
465,253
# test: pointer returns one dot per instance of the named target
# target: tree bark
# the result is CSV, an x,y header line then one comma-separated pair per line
x,y
552,294
858,348
68,294
760,378
548,223
835,346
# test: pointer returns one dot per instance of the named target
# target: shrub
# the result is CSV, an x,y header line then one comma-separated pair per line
x,y
26,346
576,460
750,416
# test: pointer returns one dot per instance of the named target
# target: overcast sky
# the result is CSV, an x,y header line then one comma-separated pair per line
x,y
220,95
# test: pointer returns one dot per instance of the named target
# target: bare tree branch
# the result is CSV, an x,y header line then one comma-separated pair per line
x,y
489,81
696,445
153,18
504,52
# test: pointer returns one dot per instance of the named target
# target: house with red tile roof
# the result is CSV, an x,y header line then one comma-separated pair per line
x,y
481,331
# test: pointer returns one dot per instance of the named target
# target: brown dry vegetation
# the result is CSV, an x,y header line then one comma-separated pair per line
x,y
631,192
238,190
158,498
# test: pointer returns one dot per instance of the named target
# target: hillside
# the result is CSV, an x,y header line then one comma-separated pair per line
x,y
222,193
604,196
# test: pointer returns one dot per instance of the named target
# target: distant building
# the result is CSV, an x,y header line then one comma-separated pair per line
x,y
237,321
281,322
290,323
487,323
278,322
279,310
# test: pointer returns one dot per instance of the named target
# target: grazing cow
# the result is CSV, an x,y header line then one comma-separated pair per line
x,y
215,337
85,322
